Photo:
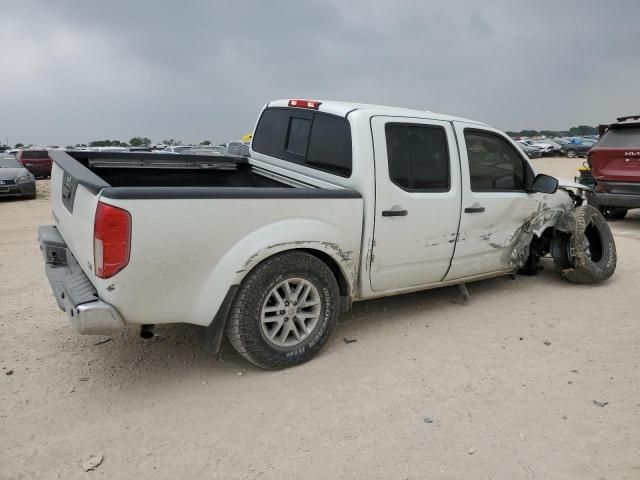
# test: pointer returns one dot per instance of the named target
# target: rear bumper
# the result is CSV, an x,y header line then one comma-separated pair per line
x,y
616,200
39,170
73,290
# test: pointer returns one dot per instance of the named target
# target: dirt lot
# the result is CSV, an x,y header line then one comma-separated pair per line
x,y
509,381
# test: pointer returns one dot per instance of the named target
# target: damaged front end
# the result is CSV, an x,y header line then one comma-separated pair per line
x,y
573,232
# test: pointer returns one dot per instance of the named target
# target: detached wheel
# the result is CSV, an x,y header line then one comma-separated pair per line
x,y
614,213
285,311
588,253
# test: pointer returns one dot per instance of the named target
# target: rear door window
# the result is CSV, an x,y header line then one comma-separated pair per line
x,y
418,157
306,137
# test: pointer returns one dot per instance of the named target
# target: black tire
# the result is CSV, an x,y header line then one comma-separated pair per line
x,y
244,328
571,153
588,254
614,213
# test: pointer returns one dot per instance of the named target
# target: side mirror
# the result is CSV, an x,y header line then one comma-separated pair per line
x,y
544,184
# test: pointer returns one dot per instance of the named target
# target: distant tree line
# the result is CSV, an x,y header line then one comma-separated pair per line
x,y
572,132
134,142
107,143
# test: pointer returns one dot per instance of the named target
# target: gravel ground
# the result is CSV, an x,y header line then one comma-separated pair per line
x,y
509,382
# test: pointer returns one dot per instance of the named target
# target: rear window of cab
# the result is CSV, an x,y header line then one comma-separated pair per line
x,y
305,137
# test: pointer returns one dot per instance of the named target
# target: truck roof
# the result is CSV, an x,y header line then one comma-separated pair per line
x,y
343,108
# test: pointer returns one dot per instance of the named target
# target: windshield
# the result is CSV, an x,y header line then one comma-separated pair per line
x,y
9,162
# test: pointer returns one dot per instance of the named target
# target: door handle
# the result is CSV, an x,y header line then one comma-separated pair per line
x,y
394,213
474,209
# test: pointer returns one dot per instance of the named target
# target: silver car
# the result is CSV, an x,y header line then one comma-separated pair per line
x,y
15,180
215,150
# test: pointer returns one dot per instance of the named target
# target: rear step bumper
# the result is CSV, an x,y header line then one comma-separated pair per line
x,y
73,290
616,200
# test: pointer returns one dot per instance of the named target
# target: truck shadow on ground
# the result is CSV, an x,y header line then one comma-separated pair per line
x,y
127,359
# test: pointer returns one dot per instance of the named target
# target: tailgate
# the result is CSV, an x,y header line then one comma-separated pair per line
x,y
75,191
616,164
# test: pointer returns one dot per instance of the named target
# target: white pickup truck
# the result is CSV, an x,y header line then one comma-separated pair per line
x,y
338,202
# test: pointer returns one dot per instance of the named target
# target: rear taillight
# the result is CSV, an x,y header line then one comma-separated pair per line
x,y
111,240
312,104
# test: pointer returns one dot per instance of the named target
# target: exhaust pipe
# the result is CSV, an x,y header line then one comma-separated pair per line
x,y
146,331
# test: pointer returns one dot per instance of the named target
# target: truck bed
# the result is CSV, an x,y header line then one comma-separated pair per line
x,y
144,175
141,169
198,226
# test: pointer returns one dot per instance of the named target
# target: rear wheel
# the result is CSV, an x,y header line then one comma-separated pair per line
x,y
588,253
571,153
285,311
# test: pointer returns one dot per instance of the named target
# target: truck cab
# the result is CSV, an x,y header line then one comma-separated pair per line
x,y
445,198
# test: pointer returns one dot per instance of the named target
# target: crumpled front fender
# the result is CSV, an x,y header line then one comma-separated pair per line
x,y
548,215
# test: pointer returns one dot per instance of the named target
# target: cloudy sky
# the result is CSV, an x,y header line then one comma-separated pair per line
x,y
75,71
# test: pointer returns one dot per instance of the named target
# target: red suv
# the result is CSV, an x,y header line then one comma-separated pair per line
x,y
615,166
37,162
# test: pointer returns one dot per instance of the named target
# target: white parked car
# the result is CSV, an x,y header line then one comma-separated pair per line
x,y
208,150
557,147
548,147
177,148
545,148
338,202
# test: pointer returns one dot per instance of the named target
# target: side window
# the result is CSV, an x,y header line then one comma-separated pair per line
x,y
418,157
494,164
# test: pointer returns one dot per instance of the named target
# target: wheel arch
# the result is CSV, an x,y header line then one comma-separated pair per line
x,y
346,291
332,242
329,255
212,334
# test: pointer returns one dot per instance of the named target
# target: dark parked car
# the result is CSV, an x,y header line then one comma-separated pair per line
x,y
15,180
37,162
577,148
615,166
